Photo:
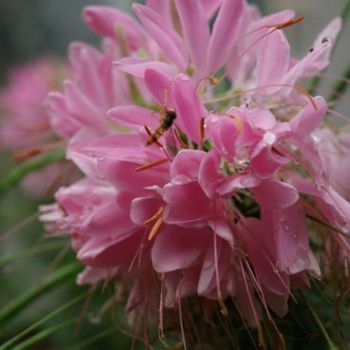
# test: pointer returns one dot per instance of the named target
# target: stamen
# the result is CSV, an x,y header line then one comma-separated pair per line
x,y
155,228
178,137
302,90
238,121
287,23
27,153
152,164
211,78
155,216
223,308
298,88
281,25
202,131
274,27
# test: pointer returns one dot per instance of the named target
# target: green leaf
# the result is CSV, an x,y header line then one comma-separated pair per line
x,y
92,339
318,321
340,87
35,339
10,257
13,340
55,279
19,172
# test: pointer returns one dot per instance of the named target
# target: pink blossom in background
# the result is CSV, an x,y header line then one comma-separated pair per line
x,y
25,122
25,128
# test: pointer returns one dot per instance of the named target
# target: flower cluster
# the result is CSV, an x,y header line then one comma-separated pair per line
x,y
206,169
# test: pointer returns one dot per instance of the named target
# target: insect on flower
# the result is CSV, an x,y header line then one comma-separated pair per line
x,y
167,119
166,122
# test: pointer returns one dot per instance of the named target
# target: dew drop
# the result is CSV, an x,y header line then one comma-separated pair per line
x,y
269,137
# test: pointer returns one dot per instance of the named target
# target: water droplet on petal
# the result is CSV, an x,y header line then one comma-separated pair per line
x,y
269,137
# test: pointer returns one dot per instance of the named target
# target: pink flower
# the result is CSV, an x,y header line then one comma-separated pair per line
x,y
209,197
25,122
94,89
25,128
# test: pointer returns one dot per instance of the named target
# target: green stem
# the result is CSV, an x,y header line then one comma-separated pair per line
x,y
8,258
93,339
19,172
35,339
344,14
56,278
340,87
330,343
13,340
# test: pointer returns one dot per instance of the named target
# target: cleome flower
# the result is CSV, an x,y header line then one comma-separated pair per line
x,y
190,188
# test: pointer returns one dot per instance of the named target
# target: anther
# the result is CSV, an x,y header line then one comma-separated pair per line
x,y
151,164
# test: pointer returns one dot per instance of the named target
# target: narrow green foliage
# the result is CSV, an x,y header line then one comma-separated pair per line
x,y
340,87
43,248
55,279
19,172
322,328
37,338
345,11
92,339
13,340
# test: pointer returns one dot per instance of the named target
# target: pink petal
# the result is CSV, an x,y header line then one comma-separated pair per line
x,y
104,20
276,194
189,109
186,203
159,83
262,118
83,110
265,161
330,33
178,248
210,7
161,7
186,163
143,208
138,66
134,116
224,33
221,228
271,68
60,118
196,33
238,181
122,175
291,237
209,176
160,30
309,118
265,269
111,251
223,131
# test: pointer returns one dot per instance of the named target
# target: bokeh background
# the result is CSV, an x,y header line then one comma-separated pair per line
x,y
33,28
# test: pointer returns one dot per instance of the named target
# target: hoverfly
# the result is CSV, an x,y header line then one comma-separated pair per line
x,y
166,122
167,119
